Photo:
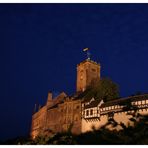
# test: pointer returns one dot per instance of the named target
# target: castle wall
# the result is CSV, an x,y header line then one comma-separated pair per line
x,y
88,124
57,118
38,122
71,115
76,129
120,117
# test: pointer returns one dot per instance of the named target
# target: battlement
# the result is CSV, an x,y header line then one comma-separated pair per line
x,y
88,60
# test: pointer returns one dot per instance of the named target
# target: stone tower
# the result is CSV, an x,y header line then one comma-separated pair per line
x,y
88,72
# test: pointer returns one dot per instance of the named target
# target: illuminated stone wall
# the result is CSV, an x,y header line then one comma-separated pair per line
x,y
38,122
88,72
57,118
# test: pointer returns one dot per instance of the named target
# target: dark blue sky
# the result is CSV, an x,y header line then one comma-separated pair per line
x,y
41,44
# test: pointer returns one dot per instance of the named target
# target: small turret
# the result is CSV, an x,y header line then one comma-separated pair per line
x,y
49,99
35,108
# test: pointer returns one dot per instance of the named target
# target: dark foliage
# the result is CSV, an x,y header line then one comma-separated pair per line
x,y
17,141
128,135
137,134
104,89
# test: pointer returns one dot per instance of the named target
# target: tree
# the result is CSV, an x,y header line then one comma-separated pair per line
x,y
104,89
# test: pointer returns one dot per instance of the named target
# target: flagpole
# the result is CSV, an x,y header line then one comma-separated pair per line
x,y
87,52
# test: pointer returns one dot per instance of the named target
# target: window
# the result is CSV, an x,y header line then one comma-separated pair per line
x,y
87,112
77,107
76,118
143,101
110,115
94,70
83,113
91,112
70,108
139,102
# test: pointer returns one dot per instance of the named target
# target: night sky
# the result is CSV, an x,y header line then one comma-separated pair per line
x,y
41,44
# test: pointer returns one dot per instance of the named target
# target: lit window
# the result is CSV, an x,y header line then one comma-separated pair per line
x,y
143,101
139,102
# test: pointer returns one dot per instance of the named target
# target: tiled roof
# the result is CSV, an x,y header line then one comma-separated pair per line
x,y
117,101
124,100
59,98
86,99
54,106
92,104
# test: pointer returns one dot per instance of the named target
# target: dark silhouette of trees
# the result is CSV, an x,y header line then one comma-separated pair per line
x,y
104,89
137,134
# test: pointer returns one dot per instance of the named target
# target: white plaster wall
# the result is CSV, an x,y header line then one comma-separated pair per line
x,y
118,117
87,125
143,111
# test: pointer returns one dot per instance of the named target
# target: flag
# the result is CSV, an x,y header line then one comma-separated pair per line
x,y
85,49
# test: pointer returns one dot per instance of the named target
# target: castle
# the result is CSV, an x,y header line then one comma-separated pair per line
x,y
63,112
